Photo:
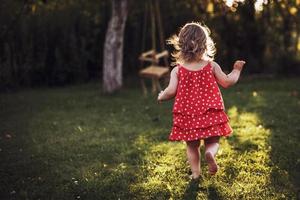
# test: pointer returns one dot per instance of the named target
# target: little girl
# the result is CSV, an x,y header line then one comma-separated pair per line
x,y
198,111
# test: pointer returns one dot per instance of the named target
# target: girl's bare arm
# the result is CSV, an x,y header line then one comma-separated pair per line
x,y
170,91
227,80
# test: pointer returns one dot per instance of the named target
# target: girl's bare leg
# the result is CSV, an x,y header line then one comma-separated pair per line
x,y
193,156
211,149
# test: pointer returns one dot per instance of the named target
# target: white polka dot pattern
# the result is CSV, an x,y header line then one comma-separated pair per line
x,y
198,110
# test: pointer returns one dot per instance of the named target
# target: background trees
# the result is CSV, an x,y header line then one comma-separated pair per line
x,y
113,47
61,42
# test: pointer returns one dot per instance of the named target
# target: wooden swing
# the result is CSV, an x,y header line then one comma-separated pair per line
x,y
154,71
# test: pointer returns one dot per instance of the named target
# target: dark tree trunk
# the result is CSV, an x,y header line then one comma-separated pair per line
x,y
113,47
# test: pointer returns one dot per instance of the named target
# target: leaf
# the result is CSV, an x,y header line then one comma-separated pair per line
x,y
293,10
8,136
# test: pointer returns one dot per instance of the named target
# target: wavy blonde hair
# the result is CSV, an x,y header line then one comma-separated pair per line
x,y
192,44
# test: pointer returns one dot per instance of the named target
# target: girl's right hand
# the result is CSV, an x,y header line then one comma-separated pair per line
x,y
159,98
239,64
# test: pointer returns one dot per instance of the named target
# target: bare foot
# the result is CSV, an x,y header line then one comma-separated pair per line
x,y
194,176
211,162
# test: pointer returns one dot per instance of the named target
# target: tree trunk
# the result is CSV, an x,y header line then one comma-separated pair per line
x,y
113,47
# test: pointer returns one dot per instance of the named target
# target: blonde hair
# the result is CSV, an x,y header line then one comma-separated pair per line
x,y
192,44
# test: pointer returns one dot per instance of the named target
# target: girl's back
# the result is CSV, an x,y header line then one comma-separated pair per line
x,y
198,110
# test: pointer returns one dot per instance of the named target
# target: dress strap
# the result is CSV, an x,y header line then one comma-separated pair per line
x,y
211,67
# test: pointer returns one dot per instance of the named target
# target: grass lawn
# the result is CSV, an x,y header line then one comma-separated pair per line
x,y
76,143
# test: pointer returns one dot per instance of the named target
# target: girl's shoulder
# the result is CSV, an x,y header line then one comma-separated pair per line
x,y
175,70
214,66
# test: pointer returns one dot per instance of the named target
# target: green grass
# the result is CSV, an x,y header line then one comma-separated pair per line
x,y
77,143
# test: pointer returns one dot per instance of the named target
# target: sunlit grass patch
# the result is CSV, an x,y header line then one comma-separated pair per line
x,y
249,132
244,158
160,168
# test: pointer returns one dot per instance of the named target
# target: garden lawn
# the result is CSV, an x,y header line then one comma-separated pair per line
x,y
77,143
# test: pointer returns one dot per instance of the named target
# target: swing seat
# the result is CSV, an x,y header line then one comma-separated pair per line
x,y
154,71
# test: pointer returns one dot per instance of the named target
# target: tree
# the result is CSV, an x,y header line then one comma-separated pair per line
x,y
113,47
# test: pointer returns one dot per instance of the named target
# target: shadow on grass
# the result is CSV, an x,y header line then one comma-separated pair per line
x,y
213,193
67,145
195,187
277,107
282,117
192,189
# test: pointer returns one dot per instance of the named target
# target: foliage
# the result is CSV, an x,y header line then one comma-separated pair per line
x,y
51,43
58,42
74,143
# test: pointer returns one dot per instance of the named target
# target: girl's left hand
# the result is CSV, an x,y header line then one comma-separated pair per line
x,y
239,64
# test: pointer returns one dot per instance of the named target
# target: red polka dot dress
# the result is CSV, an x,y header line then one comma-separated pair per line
x,y
198,110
